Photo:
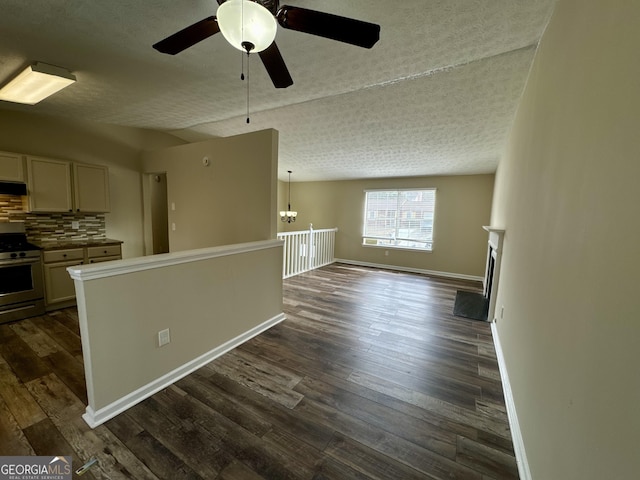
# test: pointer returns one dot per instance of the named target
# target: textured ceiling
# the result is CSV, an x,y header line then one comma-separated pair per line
x,y
436,95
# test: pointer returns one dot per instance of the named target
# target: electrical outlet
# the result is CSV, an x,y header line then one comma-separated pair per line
x,y
75,224
164,337
173,227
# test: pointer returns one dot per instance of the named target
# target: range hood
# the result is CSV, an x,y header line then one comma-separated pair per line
x,y
13,188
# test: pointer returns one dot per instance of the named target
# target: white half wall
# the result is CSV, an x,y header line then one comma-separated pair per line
x,y
210,300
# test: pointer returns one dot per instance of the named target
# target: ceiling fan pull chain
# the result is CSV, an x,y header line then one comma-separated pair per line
x,y
248,80
241,66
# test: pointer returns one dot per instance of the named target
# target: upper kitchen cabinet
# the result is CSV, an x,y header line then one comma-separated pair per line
x,y
63,186
11,167
91,188
49,185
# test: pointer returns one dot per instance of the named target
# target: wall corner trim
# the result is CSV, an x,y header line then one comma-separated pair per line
x,y
516,434
95,418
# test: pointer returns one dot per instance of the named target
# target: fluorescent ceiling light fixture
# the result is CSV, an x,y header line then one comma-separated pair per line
x,y
35,83
246,25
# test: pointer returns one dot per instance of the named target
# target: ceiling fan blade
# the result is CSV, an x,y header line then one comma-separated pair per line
x,y
276,68
327,25
188,37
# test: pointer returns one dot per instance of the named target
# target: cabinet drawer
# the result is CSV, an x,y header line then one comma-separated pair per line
x,y
51,256
105,251
104,259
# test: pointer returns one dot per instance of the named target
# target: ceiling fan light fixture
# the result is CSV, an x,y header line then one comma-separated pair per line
x,y
35,83
245,22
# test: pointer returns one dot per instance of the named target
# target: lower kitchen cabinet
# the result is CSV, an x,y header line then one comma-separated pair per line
x,y
103,254
59,287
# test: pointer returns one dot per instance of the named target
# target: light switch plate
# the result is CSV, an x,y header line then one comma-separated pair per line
x,y
164,337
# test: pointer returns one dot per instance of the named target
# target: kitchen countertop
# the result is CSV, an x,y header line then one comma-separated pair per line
x,y
76,243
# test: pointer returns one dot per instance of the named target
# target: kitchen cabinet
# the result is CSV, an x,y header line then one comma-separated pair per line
x,y
11,167
63,186
58,285
103,253
91,188
49,185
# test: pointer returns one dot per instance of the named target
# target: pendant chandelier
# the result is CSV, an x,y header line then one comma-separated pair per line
x,y
289,216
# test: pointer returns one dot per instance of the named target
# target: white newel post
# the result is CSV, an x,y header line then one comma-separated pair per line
x,y
310,255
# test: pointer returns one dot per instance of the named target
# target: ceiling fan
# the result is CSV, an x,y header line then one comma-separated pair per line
x,y
342,29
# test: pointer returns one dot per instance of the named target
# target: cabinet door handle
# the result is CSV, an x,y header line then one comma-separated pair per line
x,y
64,255
105,252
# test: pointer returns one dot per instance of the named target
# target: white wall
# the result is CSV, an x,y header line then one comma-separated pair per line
x,y
567,194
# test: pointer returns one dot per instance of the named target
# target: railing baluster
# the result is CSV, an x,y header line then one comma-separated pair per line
x,y
306,250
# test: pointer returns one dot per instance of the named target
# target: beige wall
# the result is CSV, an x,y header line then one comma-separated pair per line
x,y
204,302
232,200
463,206
567,194
117,147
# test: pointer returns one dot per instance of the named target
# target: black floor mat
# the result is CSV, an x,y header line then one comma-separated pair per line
x,y
471,305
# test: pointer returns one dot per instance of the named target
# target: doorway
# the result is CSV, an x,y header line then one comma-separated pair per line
x,y
159,213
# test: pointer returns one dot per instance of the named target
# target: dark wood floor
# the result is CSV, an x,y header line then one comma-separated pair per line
x,y
369,377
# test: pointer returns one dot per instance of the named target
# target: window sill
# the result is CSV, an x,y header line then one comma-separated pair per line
x,y
388,247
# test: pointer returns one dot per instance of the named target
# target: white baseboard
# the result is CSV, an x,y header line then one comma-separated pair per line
x,y
516,434
98,417
435,273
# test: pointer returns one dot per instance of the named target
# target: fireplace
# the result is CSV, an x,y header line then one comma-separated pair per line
x,y
492,270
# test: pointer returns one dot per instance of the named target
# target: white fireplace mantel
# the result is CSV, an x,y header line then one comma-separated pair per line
x,y
492,270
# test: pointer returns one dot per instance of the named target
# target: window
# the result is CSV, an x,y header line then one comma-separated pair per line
x,y
399,218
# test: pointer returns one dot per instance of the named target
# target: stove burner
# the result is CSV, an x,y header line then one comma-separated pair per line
x,y
15,242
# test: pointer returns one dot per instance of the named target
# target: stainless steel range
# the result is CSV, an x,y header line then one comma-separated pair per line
x,y
21,284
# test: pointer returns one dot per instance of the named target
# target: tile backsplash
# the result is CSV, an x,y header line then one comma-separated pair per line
x,y
52,226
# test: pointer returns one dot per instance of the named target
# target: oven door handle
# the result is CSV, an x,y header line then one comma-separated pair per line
x,y
18,261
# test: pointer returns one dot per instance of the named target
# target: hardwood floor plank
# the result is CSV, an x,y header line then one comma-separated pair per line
x,y
17,398
67,318
159,459
69,340
387,447
55,398
250,372
47,440
448,410
68,369
306,430
197,386
332,469
193,446
487,460
259,454
41,344
370,463
18,355
238,471
12,439
414,430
